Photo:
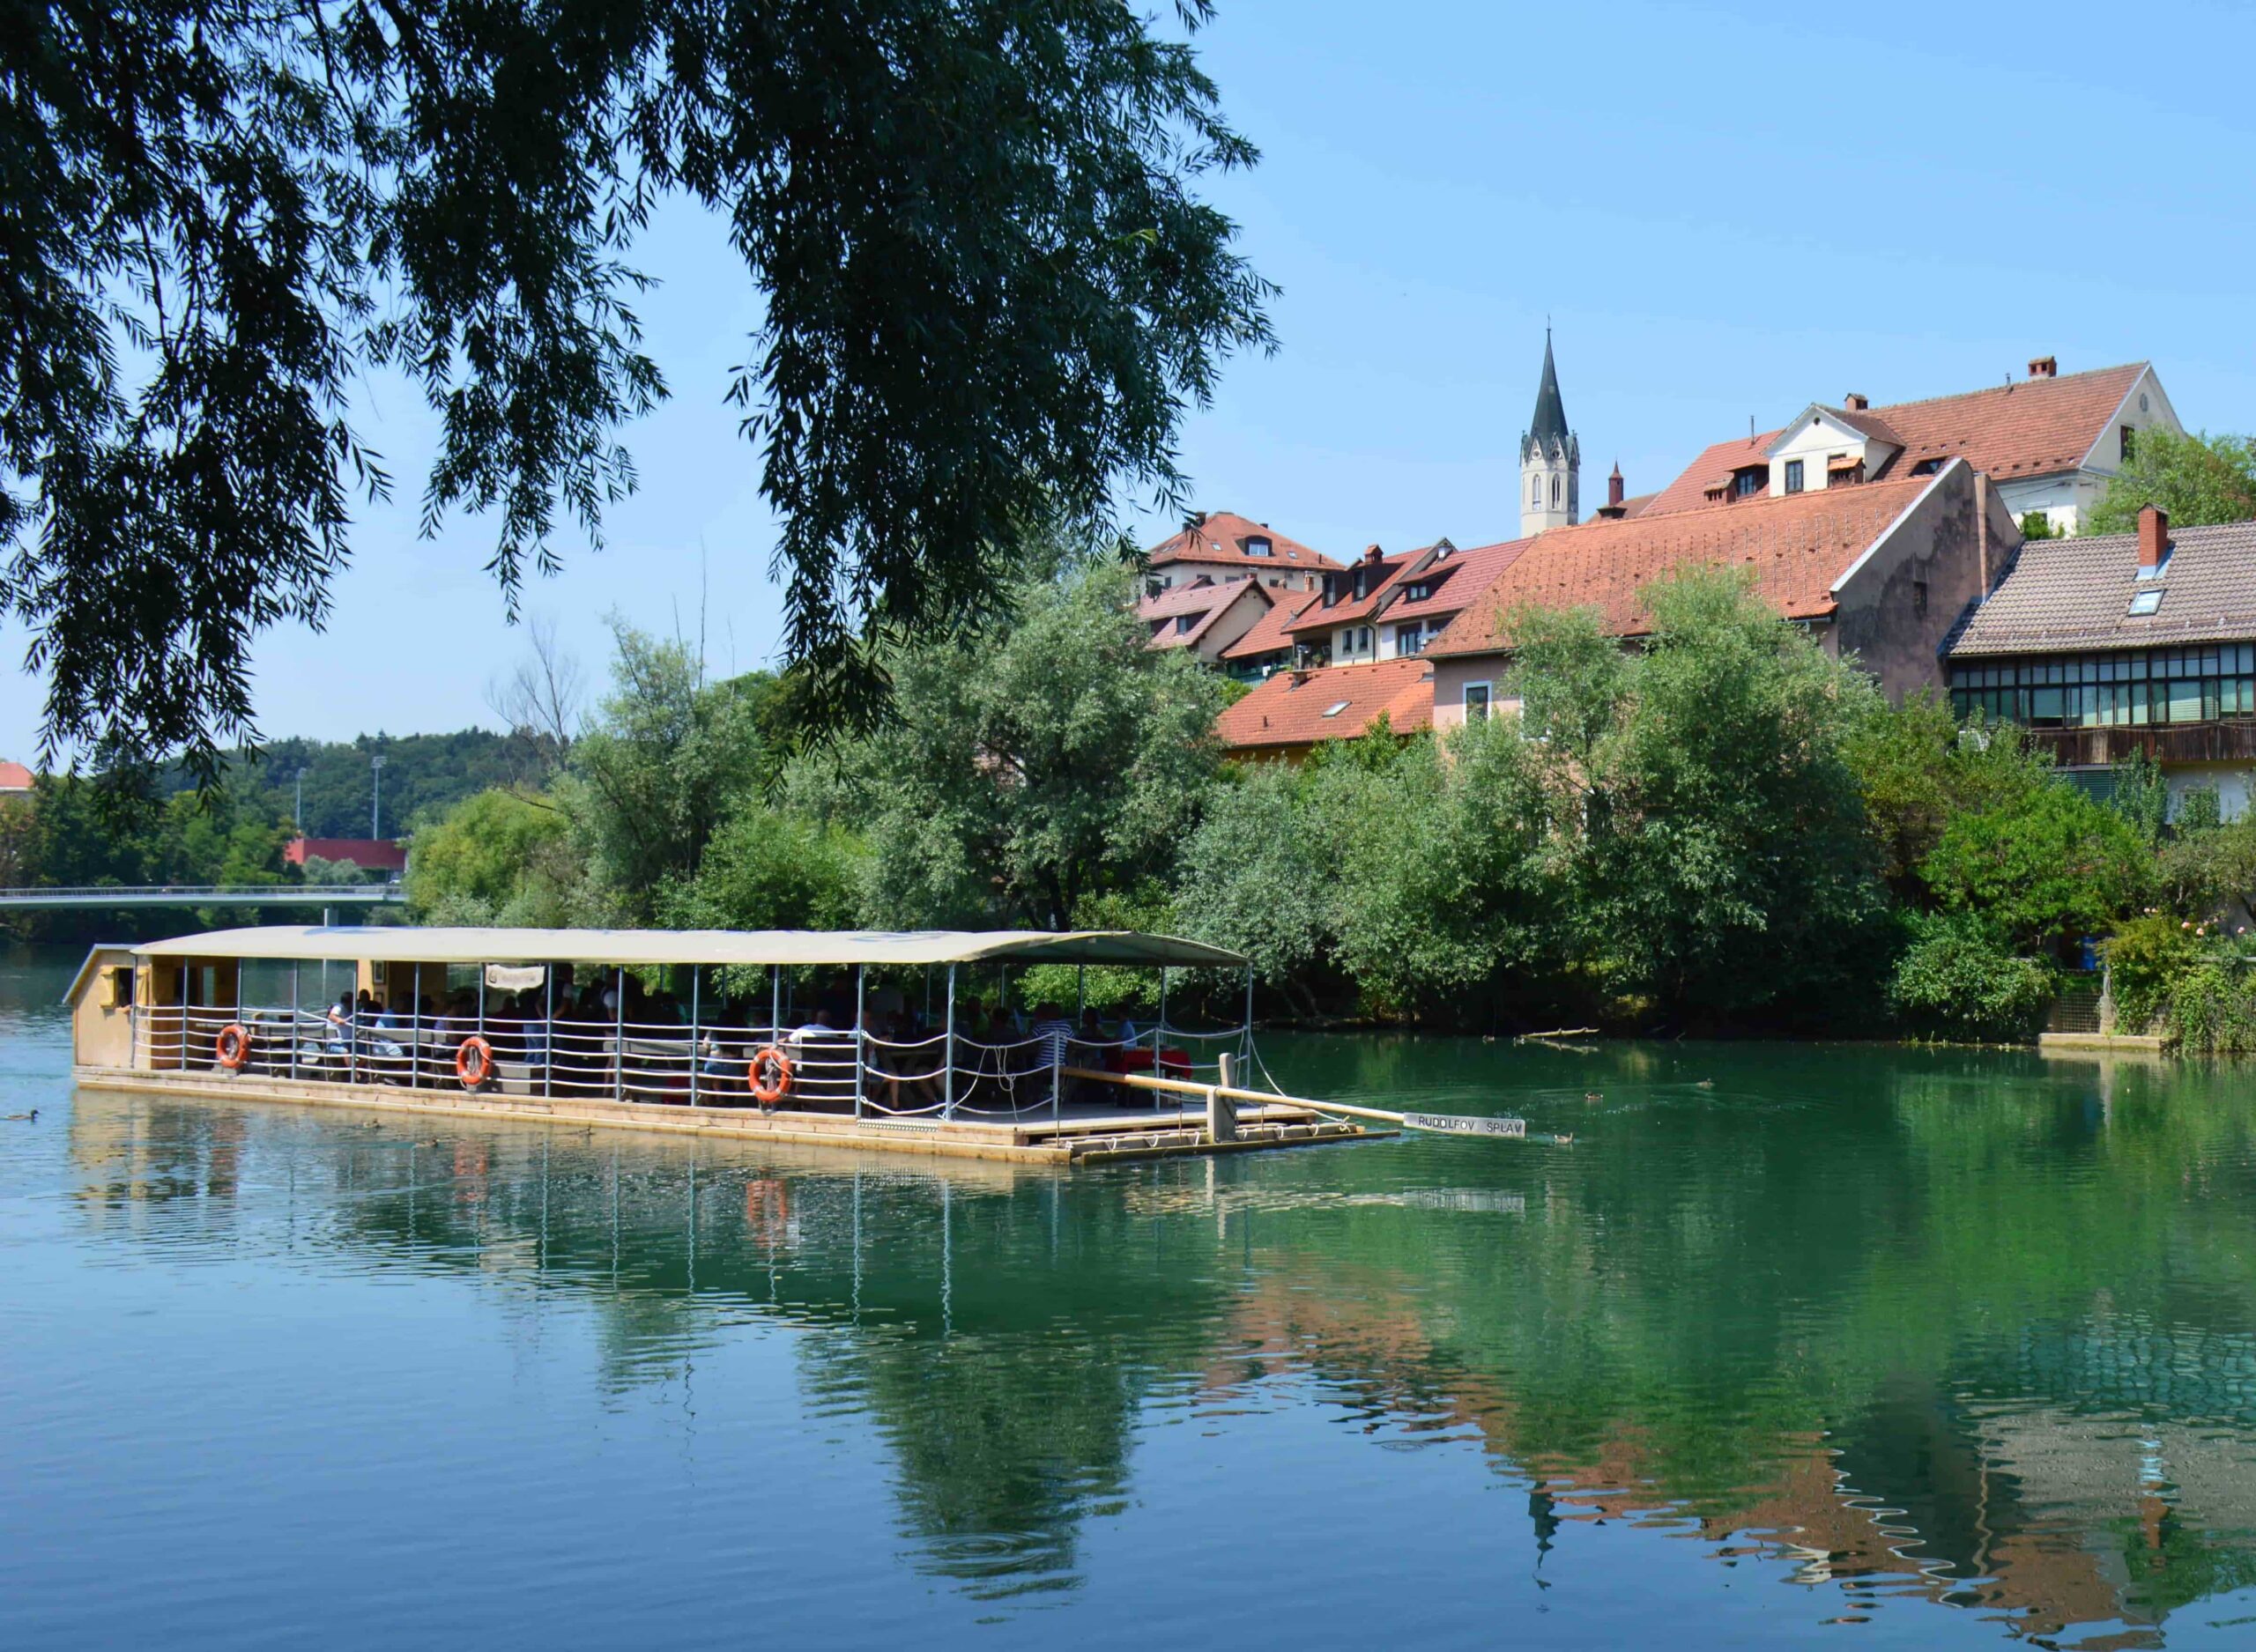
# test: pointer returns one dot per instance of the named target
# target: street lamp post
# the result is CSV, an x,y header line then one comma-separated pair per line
x,y
376,798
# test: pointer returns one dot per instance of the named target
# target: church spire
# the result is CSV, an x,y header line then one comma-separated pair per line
x,y
1548,429
1550,458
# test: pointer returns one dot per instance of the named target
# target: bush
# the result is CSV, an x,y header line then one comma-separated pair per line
x,y
2213,1008
1955,981
2045,868
2147,957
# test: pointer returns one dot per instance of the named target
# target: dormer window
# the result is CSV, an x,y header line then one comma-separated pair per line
x,y
1257,547
1186,623
1926,467
1744,483
1417,593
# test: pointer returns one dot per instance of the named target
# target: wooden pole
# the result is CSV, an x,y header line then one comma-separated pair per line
x,y
1221,1109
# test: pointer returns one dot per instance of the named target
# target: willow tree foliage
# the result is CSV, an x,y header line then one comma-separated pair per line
x,y
988,286
1031,768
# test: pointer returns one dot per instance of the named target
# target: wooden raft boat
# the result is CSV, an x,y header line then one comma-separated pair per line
x,y
723,1033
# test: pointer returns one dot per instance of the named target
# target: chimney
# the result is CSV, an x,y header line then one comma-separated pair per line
x,y
1855,403
2044,367
1614,509
2154,540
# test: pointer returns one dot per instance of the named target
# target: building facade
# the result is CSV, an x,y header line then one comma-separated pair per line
x,y
1222,546
2111,644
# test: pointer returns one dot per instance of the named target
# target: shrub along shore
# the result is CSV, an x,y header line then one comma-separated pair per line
x,y
1724,832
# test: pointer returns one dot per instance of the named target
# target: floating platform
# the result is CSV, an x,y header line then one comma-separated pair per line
x,y
1080,1135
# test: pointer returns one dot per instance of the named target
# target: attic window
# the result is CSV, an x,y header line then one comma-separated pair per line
x,y
1743,483
1335,709
1257,547
1417,593
1186,623
1926,467
2144,602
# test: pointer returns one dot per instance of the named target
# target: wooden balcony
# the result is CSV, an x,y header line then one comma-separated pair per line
x,y
2233,742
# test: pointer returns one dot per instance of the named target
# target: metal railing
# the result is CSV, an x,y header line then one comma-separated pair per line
x,y
385,894
922,1075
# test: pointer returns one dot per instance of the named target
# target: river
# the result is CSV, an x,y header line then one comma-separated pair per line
x,y
1927,1348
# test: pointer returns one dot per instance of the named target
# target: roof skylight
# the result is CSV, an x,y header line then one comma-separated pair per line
x,y
2146,602
1335,709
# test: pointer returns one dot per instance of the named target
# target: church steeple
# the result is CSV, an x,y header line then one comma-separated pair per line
x,y
1550,458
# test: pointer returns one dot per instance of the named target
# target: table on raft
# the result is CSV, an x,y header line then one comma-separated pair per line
x,y
190,1023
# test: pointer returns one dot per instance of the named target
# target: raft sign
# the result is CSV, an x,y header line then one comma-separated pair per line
x,y
1463,1124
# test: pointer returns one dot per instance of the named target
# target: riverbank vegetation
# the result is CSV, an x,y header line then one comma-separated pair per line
x,y
1723,830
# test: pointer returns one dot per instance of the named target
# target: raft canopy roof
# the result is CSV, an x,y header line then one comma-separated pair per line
x,y
634,948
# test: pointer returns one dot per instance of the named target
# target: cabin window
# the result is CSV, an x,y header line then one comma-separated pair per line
x,y
1476,702
117,986
1793,476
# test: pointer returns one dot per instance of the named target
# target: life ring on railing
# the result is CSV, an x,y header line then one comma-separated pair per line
x,y
233,1045
771,1076
473,1062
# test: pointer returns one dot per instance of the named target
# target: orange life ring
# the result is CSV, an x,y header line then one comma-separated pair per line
x,y
771,1076
233,1045
473,1062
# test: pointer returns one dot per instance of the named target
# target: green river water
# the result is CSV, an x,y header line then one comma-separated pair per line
x,y
1927,1348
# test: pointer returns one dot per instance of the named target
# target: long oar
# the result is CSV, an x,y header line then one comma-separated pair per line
x,y
1438,1124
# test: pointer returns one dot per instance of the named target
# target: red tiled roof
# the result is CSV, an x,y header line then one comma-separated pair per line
x,y
1713,467
1347,610
15,777
1220,537
1208,600
1289,708
1797,544
2029,427
1456,579
1269,634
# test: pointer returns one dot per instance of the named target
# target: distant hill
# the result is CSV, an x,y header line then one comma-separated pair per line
x,y
424,774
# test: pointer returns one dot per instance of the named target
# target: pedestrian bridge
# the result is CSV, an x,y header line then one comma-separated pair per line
x,y
119,896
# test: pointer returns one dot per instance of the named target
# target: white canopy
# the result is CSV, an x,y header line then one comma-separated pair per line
x,y
638,947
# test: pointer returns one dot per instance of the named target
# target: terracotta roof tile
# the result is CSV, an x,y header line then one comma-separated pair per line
x,y
1210,601
1714,466
1349,611
1798,545
1269,635
2064,594
1336,702
2029,427
1220,537
1456,580
15,777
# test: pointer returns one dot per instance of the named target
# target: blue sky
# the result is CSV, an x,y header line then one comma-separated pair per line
x,y
1725,211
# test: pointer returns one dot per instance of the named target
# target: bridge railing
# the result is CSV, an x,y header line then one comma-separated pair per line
x,y
215,895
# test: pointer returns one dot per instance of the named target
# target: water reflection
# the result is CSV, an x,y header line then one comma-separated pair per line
x,y
1970,1332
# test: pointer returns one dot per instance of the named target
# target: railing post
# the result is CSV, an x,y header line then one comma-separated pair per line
x,y
774,1005
1221,1110
861,1032
947,1080
415,1029
619,1037
297,966
548,1021
696,980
